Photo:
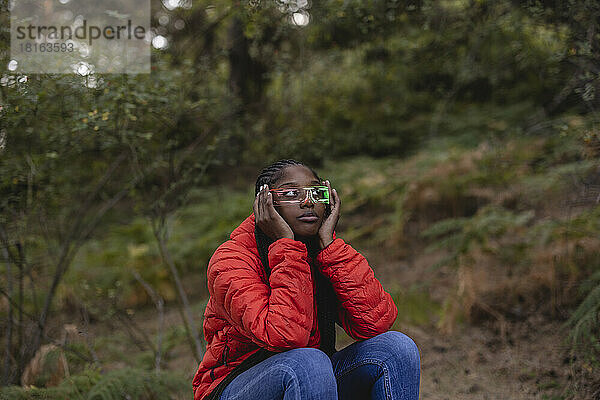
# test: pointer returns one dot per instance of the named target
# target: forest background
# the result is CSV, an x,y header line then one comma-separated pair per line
x,y
462,135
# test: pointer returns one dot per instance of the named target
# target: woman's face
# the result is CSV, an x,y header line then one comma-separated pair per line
x,y
300,176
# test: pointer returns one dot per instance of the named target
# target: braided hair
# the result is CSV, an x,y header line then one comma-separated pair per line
x,y
326,298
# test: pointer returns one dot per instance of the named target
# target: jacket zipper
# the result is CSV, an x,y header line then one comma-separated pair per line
x,y
226,350
224,356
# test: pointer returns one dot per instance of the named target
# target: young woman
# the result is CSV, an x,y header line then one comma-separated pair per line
x,y
278,287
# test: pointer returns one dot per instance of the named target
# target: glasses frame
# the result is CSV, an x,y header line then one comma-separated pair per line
x,y
309,195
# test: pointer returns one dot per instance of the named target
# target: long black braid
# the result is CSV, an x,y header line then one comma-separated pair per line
x,y
327,303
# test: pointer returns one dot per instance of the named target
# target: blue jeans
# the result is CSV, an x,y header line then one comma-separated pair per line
x,y
385,367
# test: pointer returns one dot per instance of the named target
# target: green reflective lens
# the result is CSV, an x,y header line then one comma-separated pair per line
x,y
317,194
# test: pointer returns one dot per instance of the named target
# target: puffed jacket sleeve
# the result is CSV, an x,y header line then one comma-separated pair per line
x,y
366,310
277,316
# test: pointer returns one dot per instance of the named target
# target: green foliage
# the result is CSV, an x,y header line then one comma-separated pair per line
x,y
415,307
144,360
405,74
460,236
49,365
119,384
585,323
75,387
347,23
581,226
137,384
103,268
174,336
78,356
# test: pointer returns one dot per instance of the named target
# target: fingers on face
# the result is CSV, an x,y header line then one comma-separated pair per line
x,y
261,200
258,203
264,201
332,195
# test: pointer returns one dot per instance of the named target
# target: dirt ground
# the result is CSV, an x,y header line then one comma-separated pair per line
x,y
474,363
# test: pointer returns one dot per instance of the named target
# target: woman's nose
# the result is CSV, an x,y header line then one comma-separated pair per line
x,y
308,201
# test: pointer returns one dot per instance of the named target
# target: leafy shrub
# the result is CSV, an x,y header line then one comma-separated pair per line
x,y
115,385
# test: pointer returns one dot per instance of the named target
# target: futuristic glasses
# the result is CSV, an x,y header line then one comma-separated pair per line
x,y
292,195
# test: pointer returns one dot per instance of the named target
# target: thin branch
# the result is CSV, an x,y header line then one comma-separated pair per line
x,y
132,327
85,333
7,352
158,300
16,305
86,205
158,229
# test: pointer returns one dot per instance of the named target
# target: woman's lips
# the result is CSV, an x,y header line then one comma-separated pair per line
x,y
309,218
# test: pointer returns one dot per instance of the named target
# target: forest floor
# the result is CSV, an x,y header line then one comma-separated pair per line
x,y
474,362
484,360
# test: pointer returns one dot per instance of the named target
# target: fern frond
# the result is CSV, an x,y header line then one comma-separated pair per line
x,y
585,320
445,227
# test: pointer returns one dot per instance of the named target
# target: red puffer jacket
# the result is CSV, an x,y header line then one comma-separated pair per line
x,y
246,310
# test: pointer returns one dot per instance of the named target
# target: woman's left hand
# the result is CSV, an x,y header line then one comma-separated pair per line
x,y
328,226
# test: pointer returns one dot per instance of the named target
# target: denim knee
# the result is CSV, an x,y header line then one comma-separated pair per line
x,y
401,348
308,358
312,368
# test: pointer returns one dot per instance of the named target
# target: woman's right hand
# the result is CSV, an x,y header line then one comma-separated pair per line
x,y
267,218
